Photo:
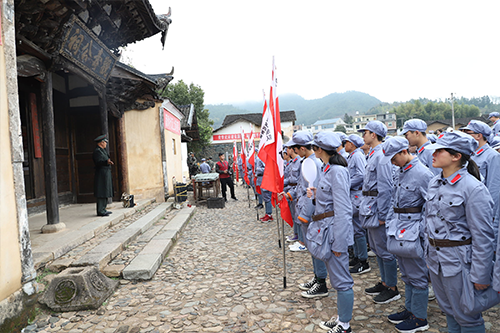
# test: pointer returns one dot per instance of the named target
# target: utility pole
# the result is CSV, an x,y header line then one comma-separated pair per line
x,y
452,99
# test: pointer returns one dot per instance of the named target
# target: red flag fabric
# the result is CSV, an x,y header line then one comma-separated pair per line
x,y
243,157
285,211
235,162
272,179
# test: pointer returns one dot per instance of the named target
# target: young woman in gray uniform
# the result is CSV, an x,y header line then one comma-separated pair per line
x,y
330,231
459,214
405,232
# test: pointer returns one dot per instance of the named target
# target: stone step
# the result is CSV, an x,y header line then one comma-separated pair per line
x,y
103,253
50,247
149,259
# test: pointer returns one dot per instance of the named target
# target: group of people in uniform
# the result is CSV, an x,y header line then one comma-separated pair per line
x,y
433,213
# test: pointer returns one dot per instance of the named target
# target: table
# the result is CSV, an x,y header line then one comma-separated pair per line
x,y
205,185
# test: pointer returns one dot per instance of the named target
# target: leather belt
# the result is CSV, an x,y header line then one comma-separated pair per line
x,y
323,216
448,243
292,184
370,193
408,210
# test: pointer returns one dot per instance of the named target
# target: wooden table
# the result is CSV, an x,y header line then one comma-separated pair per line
x,y
205,186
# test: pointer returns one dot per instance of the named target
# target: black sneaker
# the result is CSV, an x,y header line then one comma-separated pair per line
x,y
318,290
308,285
412,325
400,316
353,262
339,329
259,206
386,296
234,198
377,289
360,268
328,325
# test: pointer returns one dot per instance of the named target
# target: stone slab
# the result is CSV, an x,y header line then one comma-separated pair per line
x,y
113,270
168,234
158,246
142,267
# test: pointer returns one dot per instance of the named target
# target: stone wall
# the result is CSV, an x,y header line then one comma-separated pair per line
x,y
214,149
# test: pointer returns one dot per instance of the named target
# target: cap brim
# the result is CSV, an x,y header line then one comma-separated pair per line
x,y
387,158
403,132
434,146
363,129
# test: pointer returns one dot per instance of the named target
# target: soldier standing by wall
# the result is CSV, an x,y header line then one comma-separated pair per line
x,y
103,184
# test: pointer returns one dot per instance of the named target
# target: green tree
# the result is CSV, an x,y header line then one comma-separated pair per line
x,y
181,94
348,119
340,128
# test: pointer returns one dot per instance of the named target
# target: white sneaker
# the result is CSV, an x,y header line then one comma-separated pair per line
x,y
294,245
371,254
299,248
432,296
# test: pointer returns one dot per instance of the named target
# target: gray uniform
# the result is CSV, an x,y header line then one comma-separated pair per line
x,y
356,163
425,156
459,208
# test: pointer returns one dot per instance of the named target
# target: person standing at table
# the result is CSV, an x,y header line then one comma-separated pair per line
x,y
204,167
222,168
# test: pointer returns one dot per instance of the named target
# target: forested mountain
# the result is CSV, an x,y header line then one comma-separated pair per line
x,y
307,111
338,104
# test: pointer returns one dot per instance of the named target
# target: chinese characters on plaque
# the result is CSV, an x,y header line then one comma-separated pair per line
x,y
83,48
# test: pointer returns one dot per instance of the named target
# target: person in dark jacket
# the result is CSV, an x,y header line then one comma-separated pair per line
x,y
103,184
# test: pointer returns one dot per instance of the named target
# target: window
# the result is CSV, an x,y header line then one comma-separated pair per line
x,y
173,147
389,124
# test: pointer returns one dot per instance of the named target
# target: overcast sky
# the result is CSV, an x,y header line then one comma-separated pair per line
x,y
392,50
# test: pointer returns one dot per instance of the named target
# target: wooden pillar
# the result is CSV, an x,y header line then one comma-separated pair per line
x,y
122,155
49,158
104,112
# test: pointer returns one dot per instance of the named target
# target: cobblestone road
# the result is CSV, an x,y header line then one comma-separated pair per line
x,y
225,274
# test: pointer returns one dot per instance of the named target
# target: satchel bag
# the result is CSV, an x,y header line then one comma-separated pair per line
x,y
319,241
405,242
474,301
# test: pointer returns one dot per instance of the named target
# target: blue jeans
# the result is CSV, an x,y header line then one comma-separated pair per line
x,y
345,303
319,268
416,301
388,271
454,327
360,249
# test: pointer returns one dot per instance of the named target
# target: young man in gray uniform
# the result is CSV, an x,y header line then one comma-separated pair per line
x,y
414,132
495,117
373,211
405,233
488,162
356,162
290,186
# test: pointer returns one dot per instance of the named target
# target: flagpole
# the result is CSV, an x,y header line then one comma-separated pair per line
x,y
257,208
248,196
278,224
284,258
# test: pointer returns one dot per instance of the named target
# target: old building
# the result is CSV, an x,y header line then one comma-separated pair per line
x,y
62,85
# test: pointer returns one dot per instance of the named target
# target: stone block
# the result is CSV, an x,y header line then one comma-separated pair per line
x,y
77,289
60,264
113,270
143,267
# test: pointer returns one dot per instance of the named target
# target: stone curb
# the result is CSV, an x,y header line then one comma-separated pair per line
x,y
107,250
60,246
147,262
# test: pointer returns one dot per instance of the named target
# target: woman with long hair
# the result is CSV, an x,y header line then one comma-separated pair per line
x,y
460,244
330,232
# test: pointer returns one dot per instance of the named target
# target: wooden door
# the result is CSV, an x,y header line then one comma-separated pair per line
x,y
86,127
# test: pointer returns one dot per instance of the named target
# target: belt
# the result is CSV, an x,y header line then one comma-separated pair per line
x,y
356,189
323,216
292,184
448,243
370,193
408,210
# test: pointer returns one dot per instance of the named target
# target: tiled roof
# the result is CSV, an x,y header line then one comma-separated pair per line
x,y
255,118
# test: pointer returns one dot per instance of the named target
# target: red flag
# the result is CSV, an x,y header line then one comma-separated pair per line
x,y
285,211
243,157
251,149
272,179
235,162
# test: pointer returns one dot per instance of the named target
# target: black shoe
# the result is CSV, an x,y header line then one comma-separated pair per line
x,y
353,262
234,198
308,285
108,213
318,290
386,296
259,206
400,316
375,290
340,329
225,199
360,268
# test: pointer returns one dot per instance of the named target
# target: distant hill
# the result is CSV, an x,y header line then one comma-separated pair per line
x,y
307,111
